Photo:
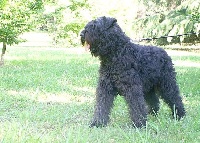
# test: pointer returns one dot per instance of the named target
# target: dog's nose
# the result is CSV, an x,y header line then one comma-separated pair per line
x,y
82,35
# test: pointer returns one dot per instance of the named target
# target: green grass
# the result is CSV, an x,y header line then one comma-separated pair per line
x,y
48,96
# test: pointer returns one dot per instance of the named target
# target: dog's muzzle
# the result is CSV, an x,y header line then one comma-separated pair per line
x,y
83,41
83,37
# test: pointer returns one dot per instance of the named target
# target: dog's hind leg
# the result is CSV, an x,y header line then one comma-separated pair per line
x,y
105,95
169,91
153,102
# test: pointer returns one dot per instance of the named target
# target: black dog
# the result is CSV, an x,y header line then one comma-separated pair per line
x,y
139,73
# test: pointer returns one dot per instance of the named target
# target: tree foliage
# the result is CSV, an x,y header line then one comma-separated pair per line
x,y
65,21
76,13
154,18
2,3
146,18
16,17
182,19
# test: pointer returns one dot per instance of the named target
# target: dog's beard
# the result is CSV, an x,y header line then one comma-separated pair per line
x,y
86,41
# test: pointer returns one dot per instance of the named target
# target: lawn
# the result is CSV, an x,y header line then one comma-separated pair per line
x,y
47,95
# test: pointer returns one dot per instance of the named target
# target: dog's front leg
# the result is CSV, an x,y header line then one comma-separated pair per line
x,y
137,107
105,94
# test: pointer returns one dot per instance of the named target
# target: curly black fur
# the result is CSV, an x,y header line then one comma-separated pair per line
x,y
141,74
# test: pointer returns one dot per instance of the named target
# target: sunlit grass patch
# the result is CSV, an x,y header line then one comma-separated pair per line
x,y
48,95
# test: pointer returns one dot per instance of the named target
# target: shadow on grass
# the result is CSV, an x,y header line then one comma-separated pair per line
x,y
40,116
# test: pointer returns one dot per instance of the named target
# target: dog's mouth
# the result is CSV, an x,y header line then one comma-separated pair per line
x,y
87,46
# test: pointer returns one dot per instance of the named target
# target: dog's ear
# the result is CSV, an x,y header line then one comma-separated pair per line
x,y
109,22
113,20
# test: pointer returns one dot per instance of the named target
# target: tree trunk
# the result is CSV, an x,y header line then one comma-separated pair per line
x,y
2,54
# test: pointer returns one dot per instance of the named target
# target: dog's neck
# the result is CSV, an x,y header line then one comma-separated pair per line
x,y
111,56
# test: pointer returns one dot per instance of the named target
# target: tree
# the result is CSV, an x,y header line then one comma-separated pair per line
x,y
152,18
176,19
71,17
64,21
16,17
2,3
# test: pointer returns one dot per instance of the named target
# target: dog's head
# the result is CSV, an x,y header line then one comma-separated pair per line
x,y
96,34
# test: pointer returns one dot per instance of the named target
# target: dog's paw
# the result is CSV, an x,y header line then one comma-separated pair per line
x,y
97,124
